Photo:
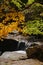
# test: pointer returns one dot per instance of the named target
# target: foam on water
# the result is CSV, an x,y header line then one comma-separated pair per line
x,y
20,51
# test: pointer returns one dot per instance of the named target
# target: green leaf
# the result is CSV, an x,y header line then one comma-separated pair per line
x,y
34,27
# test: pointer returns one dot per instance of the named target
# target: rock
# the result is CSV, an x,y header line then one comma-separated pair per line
x,y
17,37
15,55
11,45
35,51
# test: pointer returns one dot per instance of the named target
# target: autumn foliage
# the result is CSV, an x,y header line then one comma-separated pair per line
x,y
9,20
13,13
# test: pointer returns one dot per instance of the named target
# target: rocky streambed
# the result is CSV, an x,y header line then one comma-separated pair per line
x,y
33,55
16,49
18,58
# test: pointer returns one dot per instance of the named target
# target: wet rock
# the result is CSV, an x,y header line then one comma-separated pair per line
x,y
17,37
15,55
35,51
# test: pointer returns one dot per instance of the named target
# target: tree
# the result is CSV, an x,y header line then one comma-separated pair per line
x,y
34,27
26,16
34,20
9,19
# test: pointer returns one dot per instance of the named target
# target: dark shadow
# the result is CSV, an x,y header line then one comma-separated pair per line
x,y
11,45
8,45
37,55
22,46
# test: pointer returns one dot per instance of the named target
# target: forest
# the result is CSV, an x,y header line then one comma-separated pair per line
x,y
25,16
21,32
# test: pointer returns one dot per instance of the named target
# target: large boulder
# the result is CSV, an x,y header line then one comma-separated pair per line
x,y
35,51
14,55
